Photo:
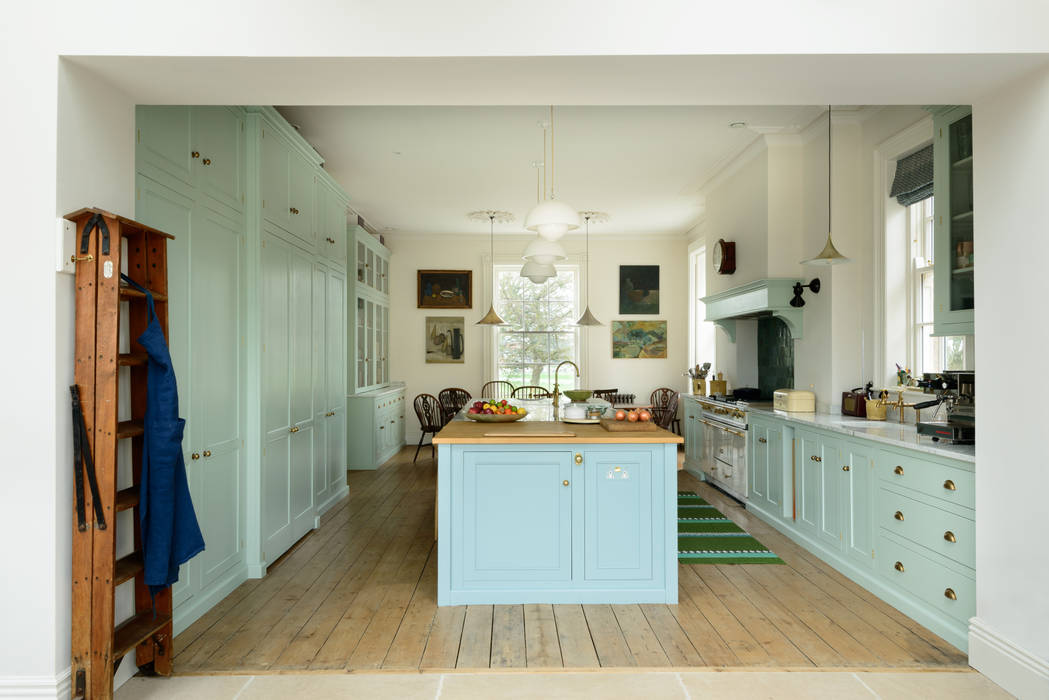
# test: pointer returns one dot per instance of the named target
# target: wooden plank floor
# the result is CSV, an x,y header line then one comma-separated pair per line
x,y
360,593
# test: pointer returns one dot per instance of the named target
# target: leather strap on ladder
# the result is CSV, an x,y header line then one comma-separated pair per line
x,y
84,462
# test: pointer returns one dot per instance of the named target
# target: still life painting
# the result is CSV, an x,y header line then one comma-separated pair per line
x,y
444,339
639,289
445,289
639,339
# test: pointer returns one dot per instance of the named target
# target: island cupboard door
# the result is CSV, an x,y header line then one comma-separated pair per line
x,y
618,540
516,517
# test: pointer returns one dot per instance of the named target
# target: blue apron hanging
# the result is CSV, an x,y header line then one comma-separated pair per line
x,y
170,534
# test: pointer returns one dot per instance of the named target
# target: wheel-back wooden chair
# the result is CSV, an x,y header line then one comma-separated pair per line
x,y
431,419
452,401
531,392
664,409
498,389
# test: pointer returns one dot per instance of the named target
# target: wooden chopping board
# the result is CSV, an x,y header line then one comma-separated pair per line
x,y
612,425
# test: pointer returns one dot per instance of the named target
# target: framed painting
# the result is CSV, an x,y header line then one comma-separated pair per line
x,y
639,289
639,339
445,289
445,339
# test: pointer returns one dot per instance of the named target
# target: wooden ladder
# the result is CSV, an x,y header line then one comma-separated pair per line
x,y
97,643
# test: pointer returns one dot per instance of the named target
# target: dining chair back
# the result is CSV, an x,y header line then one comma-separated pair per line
x,y
608,395
531,392
452,401
664,408
431,419
498,389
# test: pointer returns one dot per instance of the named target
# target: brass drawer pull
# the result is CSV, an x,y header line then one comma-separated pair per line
x,y
845,468
293,429
207,453
949,485
898,471
578,458
195,455
949,594
762,440
898,566
898,515
949,536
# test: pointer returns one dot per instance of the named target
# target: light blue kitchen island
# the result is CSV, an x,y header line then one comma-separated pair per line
x,y
540,511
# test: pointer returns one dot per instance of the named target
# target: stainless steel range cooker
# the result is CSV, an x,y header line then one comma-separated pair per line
x,y
724,459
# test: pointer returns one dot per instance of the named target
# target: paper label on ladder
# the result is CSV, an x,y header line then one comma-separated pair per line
x,y
107,269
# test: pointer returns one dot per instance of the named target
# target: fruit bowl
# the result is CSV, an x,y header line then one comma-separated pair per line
x,y
578,394
495,417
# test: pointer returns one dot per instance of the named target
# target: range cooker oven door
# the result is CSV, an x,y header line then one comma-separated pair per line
x,y
729,452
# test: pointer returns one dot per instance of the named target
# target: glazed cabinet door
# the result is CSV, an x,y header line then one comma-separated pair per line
x,y
618,538
515,517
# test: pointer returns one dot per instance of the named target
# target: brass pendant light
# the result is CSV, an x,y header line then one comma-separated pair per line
x,y
587,319
829,255
492,318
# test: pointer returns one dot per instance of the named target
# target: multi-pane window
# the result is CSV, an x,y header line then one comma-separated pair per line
x,y
540,331
931,353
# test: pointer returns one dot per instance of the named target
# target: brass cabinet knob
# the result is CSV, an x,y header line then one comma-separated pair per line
x,y
812,458
898,515
818,459
207,453
898,471
565,482
194,154
206,161
293,210
578,458
949,594
949,536
195,455
293,429
898,566
949,485
393,422
382,427
845,468
762,440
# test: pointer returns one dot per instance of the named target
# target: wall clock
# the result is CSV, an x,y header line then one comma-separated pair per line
x,y
724,257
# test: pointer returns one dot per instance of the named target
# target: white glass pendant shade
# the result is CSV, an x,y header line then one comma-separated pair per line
x,y
538,272
552,219
544,252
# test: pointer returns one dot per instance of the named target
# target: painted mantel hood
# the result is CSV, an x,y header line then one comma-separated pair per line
x,y
769,297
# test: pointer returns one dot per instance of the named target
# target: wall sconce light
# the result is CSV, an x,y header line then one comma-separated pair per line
x,y
797,302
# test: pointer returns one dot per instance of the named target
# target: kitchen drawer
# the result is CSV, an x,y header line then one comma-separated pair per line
x,y
929,580
928,526
929,478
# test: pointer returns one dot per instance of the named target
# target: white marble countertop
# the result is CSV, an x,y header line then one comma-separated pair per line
x,y
889,432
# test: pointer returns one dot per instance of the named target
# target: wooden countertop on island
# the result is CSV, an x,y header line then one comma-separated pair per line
x,y
467,432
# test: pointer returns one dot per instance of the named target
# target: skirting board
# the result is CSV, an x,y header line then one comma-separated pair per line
x,y
57,687
1017,671
191,610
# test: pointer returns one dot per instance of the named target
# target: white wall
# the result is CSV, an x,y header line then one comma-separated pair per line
x,y
637,376
1011,628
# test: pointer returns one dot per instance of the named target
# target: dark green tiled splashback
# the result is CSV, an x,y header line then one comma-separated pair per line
x,y
775,356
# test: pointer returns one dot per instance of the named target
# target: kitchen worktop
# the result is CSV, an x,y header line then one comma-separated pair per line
x,y
468,432
887,432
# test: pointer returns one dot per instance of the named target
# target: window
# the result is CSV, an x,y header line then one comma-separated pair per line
x,y
540,331
930,353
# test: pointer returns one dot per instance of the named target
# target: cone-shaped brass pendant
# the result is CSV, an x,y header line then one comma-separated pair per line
x,y
491,319
828,256
587,319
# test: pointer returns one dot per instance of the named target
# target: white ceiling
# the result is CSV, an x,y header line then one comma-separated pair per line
x,y
422,169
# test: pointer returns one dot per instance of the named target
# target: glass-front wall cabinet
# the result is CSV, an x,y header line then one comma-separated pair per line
x,y
372,326
953,186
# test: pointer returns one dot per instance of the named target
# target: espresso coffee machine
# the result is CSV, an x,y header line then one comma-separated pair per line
x,y
956,398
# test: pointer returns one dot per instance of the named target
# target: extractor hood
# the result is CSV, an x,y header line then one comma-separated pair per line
x,y
769,297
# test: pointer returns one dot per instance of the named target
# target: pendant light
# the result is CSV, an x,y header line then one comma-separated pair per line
x,y
492,318
550,218
829,255
542,253
538,272
587,319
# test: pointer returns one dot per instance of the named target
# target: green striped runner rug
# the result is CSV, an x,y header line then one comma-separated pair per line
x,y
706,536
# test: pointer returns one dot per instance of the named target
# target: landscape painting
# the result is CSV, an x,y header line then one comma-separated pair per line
x,y
444,339
639,339
639,289
445,289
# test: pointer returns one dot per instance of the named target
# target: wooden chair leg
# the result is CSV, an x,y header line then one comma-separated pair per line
x,y
419,447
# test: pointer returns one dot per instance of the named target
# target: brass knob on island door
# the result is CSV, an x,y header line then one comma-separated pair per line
x,y
578,458
949,536
195,455
949,594
898,566
898,515
565,482
949,485
898,471
207,453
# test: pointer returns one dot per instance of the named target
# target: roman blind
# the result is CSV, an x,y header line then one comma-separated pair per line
x,y
913,180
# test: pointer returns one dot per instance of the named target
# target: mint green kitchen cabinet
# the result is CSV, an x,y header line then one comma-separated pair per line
x,y
370,331
766,460
330,224
376,423
329,386
818,489
692,427
858,480
287,182
954,261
